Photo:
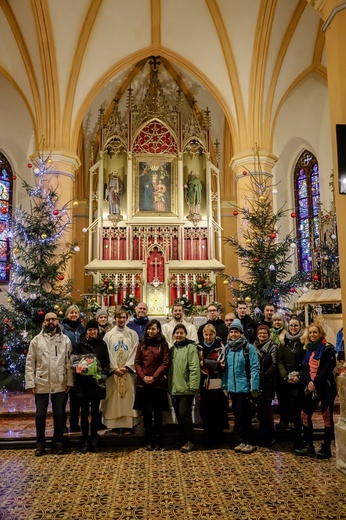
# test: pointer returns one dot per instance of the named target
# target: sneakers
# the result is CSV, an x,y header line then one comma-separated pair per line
x,y
187,448
307,451
40,450
248,448
324,452
240,447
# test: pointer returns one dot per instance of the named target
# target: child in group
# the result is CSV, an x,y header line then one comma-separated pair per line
x,y
183,383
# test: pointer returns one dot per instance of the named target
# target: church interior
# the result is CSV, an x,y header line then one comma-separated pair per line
x,y
154,115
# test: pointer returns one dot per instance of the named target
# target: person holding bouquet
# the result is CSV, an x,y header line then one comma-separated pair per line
x,y
152,362
91,363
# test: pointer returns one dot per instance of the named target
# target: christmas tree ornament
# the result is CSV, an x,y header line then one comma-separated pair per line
x,y
274,191
75,204
333,237
305,289
37,171
29,165
247,299
315,277
292,290
76,249
9,299
14,177
255,259
199,286
273,236
60,313
4,211
49,161
326,258
56,212
272,267
225,282
110,287
44,236
248,240
293,245
16,250
40,313
84,230
245,172
235,213
261,197
6,320
4,347
105,281
61,277
293,215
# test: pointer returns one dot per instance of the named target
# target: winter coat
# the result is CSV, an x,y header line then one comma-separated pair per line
x,y
235,377
220,327
87,386
268,355
73,334
250,327
138,325
290,356
184,373
48,364
152,360
324,381
212,362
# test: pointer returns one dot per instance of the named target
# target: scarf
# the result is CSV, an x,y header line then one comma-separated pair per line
x,y
72,324
183,343
296,336
275,335
317,347
237,344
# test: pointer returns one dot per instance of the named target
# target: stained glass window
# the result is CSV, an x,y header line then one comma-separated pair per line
x,y
307,198
6,177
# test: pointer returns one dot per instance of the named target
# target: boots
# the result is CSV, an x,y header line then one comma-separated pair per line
x,y
307,451
324,452
85,446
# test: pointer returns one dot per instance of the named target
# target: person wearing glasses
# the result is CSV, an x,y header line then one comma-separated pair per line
x,y
213,318
48,374
290,358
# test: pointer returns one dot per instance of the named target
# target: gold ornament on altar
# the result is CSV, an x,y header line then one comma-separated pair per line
x,y
225,282
16,250
75,204
261,197
248,240
9,299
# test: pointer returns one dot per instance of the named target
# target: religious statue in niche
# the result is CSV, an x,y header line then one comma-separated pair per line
x,y
155,187
193,193
155,267
114,192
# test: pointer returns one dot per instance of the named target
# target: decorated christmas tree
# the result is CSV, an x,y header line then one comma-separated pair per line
x,y
38,283
266,256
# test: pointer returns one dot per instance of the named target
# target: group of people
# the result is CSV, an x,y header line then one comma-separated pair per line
x,y
147,369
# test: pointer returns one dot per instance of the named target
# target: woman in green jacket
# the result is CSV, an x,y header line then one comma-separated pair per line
x,y
183,383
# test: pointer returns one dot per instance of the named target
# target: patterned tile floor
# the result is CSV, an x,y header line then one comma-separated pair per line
x,y
126,482
135,484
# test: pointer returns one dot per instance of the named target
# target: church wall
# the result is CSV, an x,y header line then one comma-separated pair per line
x,y
303,123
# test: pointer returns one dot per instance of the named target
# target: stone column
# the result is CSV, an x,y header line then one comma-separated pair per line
x,y
333,12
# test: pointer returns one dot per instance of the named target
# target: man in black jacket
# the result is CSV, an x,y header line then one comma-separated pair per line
x,y
214,318
248,323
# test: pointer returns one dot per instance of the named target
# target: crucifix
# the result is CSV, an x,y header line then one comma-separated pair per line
x,y
156,263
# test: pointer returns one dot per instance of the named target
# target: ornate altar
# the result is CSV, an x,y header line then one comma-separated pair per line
x,y
154,222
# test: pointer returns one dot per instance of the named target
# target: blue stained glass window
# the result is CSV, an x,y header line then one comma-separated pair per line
x,y
6,177
307,196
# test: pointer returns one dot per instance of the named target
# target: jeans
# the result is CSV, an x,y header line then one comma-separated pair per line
x,y
42,401
92,405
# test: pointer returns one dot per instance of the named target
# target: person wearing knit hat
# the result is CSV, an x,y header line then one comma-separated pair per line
x,y
88,390
268,354
241,379
102,320
236,324
91,324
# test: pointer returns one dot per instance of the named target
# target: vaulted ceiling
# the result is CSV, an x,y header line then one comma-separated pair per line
x,y
61,60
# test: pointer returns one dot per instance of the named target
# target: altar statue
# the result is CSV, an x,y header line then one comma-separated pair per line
x,y
114,191
193,193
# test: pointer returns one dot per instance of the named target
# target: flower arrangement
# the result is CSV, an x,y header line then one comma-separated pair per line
x,y
202,285
86,365
129,303
186,303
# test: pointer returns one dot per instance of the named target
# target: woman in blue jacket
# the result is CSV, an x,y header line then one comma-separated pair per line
x,y
241,379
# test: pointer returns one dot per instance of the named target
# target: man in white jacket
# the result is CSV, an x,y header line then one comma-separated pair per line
x,y
178,317
48,372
